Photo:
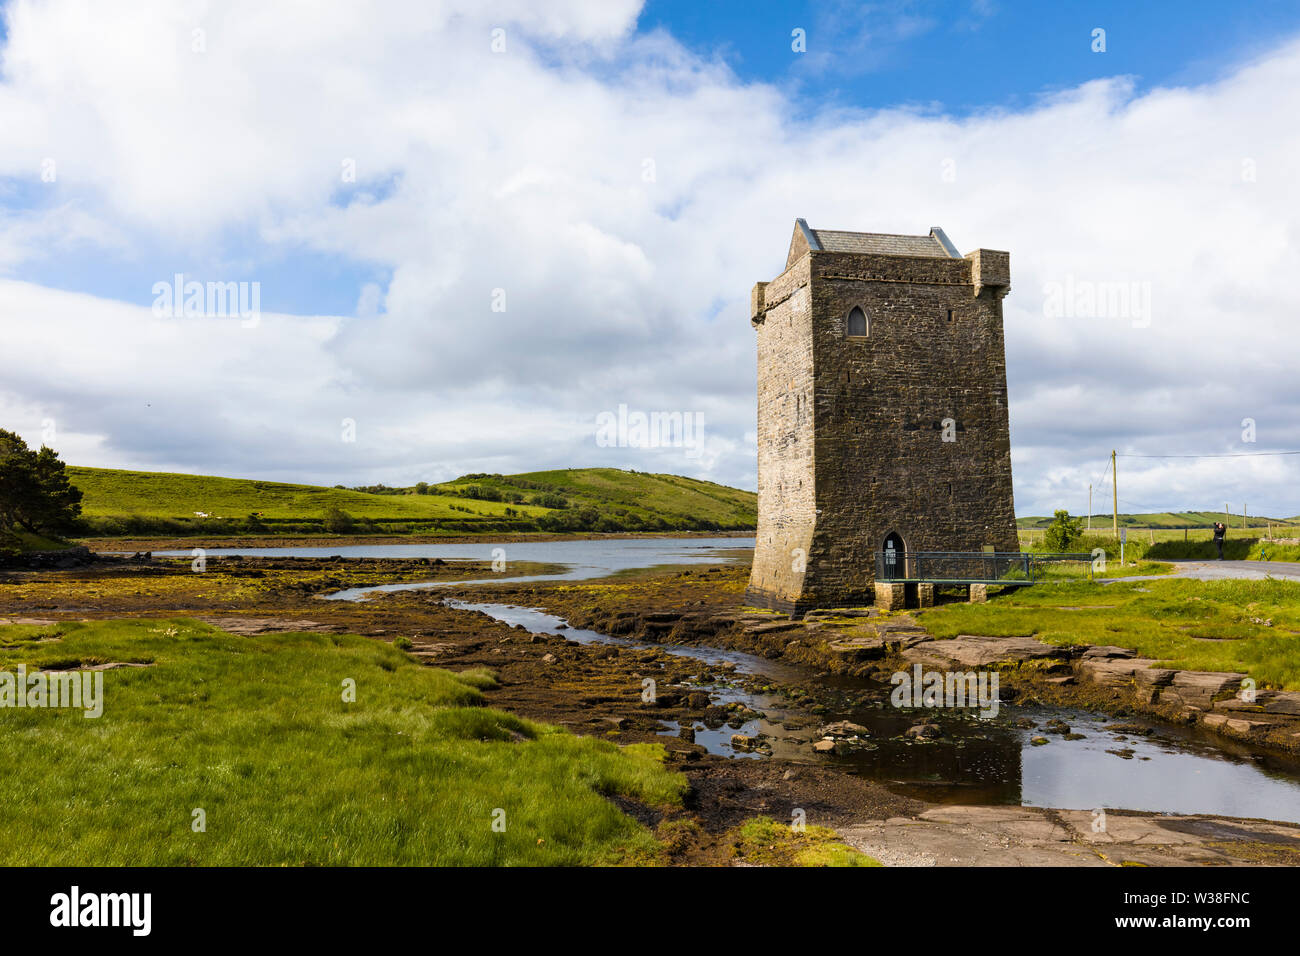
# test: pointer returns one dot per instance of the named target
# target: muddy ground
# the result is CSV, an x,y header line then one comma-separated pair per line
x,y
597,690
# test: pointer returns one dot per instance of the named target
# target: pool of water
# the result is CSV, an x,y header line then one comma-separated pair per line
x,y
979,761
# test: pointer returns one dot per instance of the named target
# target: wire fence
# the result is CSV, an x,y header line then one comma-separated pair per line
x,y
979,567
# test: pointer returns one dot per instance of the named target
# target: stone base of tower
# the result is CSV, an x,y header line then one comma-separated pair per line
x,y
801,605
782,604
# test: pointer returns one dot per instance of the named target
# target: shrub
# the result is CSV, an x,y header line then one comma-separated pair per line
x,y
337,521
1062,532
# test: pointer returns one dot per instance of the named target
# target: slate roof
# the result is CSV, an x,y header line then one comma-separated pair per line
x,y
877,243
936,245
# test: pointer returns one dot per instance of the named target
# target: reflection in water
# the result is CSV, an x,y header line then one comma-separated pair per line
x,y
980,761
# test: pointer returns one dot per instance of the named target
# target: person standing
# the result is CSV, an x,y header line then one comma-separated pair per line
x,y
1220,531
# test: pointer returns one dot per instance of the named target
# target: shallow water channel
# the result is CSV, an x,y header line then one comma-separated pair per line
x,y
1172,770
980,761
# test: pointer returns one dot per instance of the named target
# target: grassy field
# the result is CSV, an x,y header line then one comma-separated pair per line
x,y
1248,626
113,493
1187,544
584,499
634,492
255,732
1172,522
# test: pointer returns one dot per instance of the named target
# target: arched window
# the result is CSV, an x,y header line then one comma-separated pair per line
x,y
857,324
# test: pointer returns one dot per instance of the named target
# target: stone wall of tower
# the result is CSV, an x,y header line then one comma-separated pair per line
x,y
786,478
881,462
862,453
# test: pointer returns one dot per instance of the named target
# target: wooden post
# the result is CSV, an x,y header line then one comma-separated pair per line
x,y
1114,488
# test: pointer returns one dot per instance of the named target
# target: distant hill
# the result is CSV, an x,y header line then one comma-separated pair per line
x,y
1164,519
121,502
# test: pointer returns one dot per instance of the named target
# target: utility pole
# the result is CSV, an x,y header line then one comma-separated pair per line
x,y
1114,488
1090,506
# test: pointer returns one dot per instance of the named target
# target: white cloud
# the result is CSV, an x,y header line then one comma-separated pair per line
x,y
526,171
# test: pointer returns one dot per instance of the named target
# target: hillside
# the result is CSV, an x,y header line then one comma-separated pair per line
x,y
633,492
582,499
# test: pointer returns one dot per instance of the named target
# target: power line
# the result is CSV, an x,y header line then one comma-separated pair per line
x,y
1101,474
1240,454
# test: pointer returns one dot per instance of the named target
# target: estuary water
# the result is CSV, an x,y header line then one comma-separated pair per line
x,y
1165,769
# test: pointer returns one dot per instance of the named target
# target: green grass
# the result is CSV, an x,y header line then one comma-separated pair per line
x,y
1076,572
19,540
255,732
120,502
636,493
1254,626
112,493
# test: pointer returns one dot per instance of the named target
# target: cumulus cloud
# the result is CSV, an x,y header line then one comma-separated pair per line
x,y
573,221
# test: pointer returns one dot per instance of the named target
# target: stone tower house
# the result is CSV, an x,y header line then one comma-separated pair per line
x,y
882,411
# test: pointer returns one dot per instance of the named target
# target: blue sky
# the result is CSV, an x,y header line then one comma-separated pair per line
x,y
1161,162
962,56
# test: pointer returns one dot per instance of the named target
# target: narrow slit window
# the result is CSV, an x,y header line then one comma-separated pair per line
x,y
857,323
950,315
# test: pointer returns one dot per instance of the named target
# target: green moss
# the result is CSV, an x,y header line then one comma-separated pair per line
x,y
767,842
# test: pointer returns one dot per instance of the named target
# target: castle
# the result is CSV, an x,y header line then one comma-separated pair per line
x,y
882,412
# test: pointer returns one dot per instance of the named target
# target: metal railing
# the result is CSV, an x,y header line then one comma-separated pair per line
x,y
977,567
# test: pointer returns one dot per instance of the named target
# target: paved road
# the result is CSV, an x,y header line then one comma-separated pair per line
x,y
1220,571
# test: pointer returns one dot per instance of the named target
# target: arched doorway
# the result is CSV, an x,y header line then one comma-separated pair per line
x,y
894,556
